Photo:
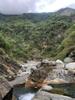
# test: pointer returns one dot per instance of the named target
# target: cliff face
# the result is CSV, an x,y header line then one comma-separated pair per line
x,y
4,88
8,72
8,67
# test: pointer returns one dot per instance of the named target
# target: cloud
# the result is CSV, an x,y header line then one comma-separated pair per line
x,y
26,6
17,6
53,6
72,6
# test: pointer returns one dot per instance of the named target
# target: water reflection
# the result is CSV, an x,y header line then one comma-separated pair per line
x,y
27,96
22,93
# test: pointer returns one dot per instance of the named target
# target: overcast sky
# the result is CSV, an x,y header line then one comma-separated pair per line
x,y
24,6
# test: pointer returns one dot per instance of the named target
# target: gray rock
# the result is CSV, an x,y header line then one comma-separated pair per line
x,y
70,66
47,88
68,60
59,64
4,87
58,76
42,95
51,63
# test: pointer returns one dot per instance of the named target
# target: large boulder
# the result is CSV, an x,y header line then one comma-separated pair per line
x,y
68,60
43,95
57,76
46,88
5,88
51,63
8,67
70,66
55,81
71,70
38,75
59,64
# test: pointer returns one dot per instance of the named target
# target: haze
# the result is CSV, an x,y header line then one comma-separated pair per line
x,y
32,6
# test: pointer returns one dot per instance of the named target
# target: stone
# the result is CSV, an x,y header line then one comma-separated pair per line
x,y
46,88
38,75
51,63
70,66
55,81
43,95
8,68
68,60
4,87
59,64
59,61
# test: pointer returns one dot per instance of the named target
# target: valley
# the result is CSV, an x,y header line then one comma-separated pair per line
x,y
37,50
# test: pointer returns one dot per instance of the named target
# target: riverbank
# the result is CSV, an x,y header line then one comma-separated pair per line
x,y
57,73
38,74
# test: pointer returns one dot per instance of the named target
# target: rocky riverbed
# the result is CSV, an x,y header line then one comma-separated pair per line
x,y
49,72
40,74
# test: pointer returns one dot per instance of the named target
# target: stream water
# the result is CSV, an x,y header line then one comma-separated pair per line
x,y
27,94
24,93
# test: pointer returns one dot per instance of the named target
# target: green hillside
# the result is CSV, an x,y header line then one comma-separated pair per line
x,y
68,44
31,36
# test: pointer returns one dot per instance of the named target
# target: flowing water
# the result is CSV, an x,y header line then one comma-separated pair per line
x,y
24,93
27,94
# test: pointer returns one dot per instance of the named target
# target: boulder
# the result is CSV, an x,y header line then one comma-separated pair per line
x,y
8,68
55,81
4,87
46,88
59,64
38,75
43,95
68,60
70,66
51,63
58,75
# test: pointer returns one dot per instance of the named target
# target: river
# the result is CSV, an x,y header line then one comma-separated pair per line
x,y
22,93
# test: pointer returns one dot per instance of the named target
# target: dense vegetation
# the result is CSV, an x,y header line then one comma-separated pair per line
x,y
37,35
68,44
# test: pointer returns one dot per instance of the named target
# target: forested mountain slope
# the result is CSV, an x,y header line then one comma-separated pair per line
x,y
35,35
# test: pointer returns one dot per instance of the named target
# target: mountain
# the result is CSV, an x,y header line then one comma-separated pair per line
x,y
32,35
34,17
66,11
37,17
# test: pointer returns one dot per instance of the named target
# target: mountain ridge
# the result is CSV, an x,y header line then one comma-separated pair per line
x,y
43,13
35,34
66,11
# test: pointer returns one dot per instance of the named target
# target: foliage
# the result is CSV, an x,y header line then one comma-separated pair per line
x,y
68,44
34,35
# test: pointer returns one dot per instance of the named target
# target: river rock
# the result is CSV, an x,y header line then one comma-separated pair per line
x,y
68,60
59,64
38,75
46,88
70,66
51,63
55,81
43,95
